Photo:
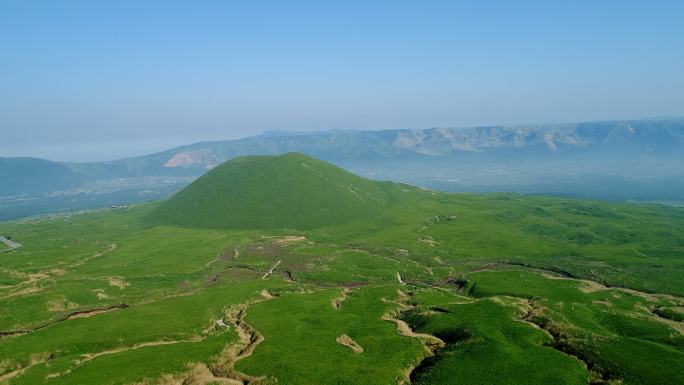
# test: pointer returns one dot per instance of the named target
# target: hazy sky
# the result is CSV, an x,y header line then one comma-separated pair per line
x,y
97,80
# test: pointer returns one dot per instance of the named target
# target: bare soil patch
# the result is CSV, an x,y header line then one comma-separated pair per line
x,y
200,374
345,340
289,239
118,282
264,293
100,293
60,304
229,254
428,240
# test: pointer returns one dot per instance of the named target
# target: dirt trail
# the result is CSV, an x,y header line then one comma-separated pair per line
x,y
401,281
92,312
36,359
270,271
587,285
345,340
110,248
201,374
76,314
91,356
17,293
430,342
30,285
5,378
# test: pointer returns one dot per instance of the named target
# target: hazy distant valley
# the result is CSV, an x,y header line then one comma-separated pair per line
x,y
619,160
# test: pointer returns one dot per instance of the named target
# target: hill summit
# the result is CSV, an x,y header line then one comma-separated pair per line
x,y
291,191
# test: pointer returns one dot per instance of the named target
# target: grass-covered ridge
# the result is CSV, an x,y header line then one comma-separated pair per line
x,y
265,192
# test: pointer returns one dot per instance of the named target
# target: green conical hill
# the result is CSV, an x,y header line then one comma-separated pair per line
x,y
291,191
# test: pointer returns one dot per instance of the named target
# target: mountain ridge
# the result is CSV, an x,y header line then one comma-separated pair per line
x,y
646,155
638,136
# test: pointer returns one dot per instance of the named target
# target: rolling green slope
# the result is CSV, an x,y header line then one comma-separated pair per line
x,y
267,192
329,278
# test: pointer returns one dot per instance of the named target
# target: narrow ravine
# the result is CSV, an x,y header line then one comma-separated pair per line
x,y
224,372
431,344
337,301
562,342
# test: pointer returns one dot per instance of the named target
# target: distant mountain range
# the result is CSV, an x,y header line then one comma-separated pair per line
x,y
642,138
29,176
555,158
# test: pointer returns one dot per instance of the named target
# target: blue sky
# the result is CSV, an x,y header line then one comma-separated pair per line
x,y
96,80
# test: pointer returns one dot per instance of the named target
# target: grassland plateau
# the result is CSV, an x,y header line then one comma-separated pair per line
x,y
288,270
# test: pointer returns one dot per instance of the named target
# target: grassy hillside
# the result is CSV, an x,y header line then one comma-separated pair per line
x,y
266,192
413,286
